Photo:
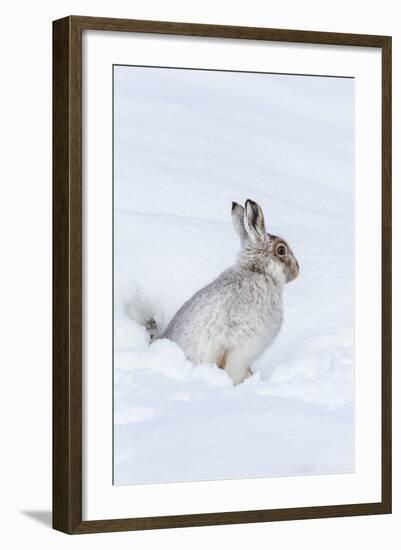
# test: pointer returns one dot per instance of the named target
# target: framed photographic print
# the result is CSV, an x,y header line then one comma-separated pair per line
x,y
222,274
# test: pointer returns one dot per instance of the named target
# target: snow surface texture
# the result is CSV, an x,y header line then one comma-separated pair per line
x,y
187,143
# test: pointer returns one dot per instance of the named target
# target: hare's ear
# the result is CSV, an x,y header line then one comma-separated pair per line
x,y
254,222
237,216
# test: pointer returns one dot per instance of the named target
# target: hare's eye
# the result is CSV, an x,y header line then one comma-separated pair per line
x,y
281,250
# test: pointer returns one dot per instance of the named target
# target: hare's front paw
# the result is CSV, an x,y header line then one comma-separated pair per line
x,y
239,379
248,373
236,369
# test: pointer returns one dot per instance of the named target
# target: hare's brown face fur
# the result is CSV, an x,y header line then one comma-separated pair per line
x,y
261,251
283,254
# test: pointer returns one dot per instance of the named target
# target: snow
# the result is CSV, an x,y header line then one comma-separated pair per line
x,y
187,143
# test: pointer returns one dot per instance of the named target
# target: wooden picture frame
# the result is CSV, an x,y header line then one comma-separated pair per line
x,y
67,274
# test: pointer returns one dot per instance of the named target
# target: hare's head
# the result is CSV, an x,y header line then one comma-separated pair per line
x,y
262,251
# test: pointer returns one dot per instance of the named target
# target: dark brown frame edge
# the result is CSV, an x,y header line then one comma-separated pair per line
x,y
67,275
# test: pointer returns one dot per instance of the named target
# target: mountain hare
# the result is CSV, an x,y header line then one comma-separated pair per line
x,y
232,320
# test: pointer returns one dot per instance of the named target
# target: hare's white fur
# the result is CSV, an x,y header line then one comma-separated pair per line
x,y
232,320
